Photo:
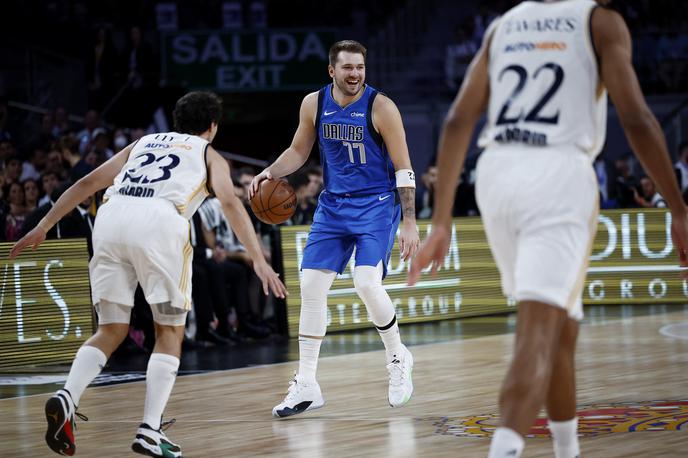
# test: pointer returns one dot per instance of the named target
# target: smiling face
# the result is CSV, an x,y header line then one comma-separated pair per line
x,y
348,73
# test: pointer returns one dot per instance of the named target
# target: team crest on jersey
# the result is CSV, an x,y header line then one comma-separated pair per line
x,y
593,420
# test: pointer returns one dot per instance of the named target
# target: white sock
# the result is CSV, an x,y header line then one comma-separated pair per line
x,y
160,377
392,340
565,437
309,350
88,363
506,443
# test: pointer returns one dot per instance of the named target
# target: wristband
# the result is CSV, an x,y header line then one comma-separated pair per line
x,y
406,178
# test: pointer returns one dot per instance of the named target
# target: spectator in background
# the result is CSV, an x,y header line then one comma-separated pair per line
x,y
244,176
101,145
136,134
234,270
204,294
600,167
304,188
458,56
45,133
101,66
13,169
31,194
625,183
120,139
49,181
7,150
54,164
315,177
85,136
61,122
682,165
425,198
78,167
649,198
16,214
35,165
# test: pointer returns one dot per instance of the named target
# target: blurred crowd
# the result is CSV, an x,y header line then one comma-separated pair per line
x,y
658,28
622,184
228,303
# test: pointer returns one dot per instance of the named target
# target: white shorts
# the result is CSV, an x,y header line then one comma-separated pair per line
x,y
539,208
141,240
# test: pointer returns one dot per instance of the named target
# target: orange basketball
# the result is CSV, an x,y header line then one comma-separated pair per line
x,y
275,201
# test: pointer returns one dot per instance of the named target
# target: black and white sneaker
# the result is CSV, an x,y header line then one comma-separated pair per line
x,y
155,443
300,398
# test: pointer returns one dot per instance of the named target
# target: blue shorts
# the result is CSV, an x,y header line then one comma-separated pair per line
x,y
341,223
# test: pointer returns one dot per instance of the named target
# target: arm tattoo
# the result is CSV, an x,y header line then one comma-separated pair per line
x,y
408,202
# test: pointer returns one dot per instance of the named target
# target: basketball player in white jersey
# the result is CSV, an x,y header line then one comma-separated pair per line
x,y
542,74
141,234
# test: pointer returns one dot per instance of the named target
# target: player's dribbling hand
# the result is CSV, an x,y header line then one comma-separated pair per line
x,y
270,280
432,251
255,183
408,240
32,239
679,235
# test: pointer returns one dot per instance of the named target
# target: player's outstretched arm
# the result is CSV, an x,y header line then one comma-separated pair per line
x,y
387,120
613,44
98,179
234,210
464,113
297,154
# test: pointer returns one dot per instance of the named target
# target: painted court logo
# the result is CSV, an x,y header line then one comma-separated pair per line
x,y
593,420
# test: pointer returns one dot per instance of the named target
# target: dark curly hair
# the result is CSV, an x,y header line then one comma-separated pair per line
x,y
194,113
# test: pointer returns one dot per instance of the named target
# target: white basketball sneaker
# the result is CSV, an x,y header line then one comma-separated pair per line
x,y
400,382
300,398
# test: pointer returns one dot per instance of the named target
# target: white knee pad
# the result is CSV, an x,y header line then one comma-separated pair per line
x,y
368,284
315,284
112,312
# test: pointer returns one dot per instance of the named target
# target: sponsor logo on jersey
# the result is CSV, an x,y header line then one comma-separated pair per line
x,y
166,145
551,24
593,420
357,114
348,132
537,46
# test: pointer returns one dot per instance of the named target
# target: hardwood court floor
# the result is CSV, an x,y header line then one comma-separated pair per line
x,y
223,414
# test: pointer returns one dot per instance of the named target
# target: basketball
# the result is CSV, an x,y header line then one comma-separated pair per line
x,y
275,201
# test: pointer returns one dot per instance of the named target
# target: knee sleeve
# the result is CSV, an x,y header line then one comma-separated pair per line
x,y
166,315
315,284
112,312
368,284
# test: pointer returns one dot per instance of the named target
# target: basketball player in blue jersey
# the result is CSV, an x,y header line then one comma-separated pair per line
x,y
366,171
546,122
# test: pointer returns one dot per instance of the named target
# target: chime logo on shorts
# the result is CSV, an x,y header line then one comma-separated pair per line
x,y
593,420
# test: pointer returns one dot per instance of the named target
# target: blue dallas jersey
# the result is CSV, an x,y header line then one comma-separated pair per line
x,y
353,155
